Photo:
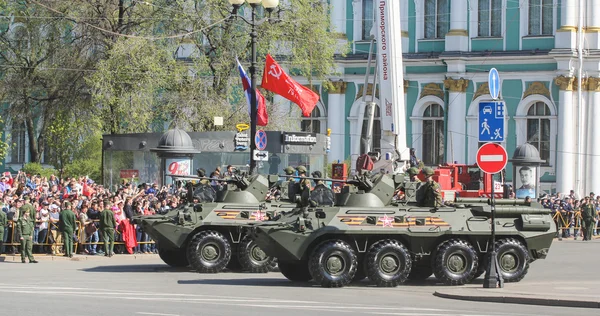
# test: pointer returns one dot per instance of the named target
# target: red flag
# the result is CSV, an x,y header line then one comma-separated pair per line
x,y
262,117
276,80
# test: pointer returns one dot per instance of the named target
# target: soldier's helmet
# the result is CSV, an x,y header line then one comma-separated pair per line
x,y
413,171
301,169
201,172
317,174
289,170
428,171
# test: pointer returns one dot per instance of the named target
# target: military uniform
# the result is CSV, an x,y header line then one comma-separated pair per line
x,y
27,207
284,187
588,212
66,224
3,223
202,173
107,228
432,196
25,228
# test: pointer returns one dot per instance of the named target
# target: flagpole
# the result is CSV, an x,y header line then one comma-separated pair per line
x,y
253,101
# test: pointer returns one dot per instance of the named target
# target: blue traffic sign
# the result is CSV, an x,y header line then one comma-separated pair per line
x,y
260,139
491,121
494,83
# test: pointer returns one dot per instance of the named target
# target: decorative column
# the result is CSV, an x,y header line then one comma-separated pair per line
x,y
338,16
457,112
566,149
593,133
336,115
566,35
457,39
592,23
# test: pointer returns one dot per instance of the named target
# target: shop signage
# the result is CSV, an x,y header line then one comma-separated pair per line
x,y
241,141
299,138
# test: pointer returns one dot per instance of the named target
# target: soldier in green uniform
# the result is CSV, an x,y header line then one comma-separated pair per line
x,y
66,224
413,172
107,228
25,228
432,196
304,184
202,173
3,224
588,212
27,208
284,187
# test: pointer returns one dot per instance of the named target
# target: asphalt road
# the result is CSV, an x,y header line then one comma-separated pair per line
x,y
122,286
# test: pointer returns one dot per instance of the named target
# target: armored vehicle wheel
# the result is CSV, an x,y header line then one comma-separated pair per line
x,y
388,263
420,273
455,262
209,252
252,258
274,266
176,258
513,259
295,271
333,264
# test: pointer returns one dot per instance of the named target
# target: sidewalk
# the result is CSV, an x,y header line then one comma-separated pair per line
x,y
565,294
44,257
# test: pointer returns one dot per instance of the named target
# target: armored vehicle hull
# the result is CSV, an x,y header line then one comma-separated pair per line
x,y
208,236
393,243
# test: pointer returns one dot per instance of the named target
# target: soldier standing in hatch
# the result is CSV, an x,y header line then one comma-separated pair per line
x,y
66,224
284,187
25,228
433,192
413,172
202,173
107,227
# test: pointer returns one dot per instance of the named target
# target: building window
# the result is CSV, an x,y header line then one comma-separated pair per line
x,y
17,143
490,18
433,135
367,19
540,17
376,144
538,129
312,124
437,18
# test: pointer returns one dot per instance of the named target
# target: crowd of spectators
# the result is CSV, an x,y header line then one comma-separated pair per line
x,y
567,213
49,196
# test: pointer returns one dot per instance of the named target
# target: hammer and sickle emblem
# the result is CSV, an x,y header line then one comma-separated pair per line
x,y
275,71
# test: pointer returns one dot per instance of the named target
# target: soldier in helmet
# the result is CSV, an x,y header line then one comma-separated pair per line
x,y
304,183
202,173
432,196
413,172
284,186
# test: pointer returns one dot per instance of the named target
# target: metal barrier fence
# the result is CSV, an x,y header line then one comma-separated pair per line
x,y
564,224
80,237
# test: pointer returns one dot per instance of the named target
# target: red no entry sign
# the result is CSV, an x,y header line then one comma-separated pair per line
x,y
491,158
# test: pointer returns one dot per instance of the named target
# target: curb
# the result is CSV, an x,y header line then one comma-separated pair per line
x,y
17,258
519,300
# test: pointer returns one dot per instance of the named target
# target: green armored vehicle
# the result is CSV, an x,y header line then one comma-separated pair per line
x,y
206,232
368,234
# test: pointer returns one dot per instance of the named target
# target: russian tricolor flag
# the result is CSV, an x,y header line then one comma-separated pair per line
x,y
262,117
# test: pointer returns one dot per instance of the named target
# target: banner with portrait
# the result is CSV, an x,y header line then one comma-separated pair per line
x,y
525,182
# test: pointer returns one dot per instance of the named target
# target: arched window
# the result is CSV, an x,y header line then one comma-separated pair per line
x,y
312,124
376,144
538,128
433,134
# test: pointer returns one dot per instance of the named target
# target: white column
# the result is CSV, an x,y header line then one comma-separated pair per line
x,y
457,38
336,116
338,16
566,149
592,23
404,26
457,112
593,150
566,36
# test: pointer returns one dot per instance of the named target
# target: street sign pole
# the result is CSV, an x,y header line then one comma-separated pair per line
x,y
493,277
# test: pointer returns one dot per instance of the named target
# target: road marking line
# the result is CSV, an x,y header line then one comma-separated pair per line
x,y
158,314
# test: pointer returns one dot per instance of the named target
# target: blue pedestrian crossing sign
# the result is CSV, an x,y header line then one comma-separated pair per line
x,y
491,121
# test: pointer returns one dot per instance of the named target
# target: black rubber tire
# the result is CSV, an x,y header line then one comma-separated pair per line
x,y
341,255
388,263
455,262
252,259
214,243
420,273
176,258
513,259
295,271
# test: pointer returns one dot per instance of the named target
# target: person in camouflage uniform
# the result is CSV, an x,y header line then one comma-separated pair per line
x,y
588,212
67,224
413,172
107,227
432,195
3,224
25,228
284,186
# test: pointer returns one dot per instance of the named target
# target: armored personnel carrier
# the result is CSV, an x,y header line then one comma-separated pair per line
x,y
206,232
367,233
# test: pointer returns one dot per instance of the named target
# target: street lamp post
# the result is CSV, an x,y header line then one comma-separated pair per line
x,y
269,5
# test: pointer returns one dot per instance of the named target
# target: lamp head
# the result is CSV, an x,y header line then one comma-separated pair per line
x,y
236,2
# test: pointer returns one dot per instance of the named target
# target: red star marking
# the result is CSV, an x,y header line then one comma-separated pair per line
x,y
259,216
387,221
